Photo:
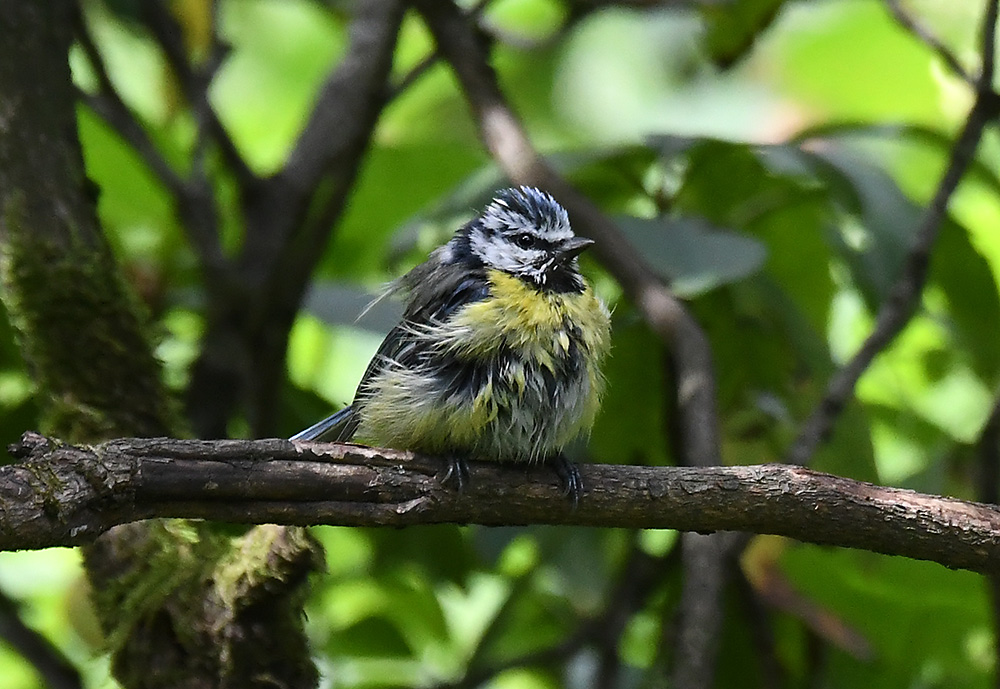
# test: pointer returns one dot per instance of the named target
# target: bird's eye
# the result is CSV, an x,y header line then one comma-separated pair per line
x,y
526,241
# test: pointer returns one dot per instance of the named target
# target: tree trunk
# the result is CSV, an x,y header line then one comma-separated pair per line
x,y
182,604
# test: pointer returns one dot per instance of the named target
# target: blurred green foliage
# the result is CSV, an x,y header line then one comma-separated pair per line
x,y
770,159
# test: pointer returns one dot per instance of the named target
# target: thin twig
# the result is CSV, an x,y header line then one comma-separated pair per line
x,y
904,297
772,588
424,66
631,590
412,76
918,29
50,663
507,141
195,201
194,85
108,105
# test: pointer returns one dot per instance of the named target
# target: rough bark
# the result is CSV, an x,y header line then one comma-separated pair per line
x,y
61,495
181,605
705,558
88,352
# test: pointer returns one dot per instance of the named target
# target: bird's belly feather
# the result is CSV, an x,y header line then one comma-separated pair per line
x,y
512,378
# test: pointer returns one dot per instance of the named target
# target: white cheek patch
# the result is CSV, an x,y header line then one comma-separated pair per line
x,y
496,252
489,250
513,212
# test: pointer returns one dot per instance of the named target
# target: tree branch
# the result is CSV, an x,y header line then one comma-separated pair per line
x,y
195,203
66,495
922,32
52,666
194,83
507,141
289,217
904,298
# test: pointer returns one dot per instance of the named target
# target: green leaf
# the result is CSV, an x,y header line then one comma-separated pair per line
x,y
734,27
442,552
531,621
896,133
973,305
407,603
771,192
631,426
879,226
691,254
371,637
876,247
929,625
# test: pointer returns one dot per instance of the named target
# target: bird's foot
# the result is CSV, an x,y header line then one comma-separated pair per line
x,y
457,472
569,478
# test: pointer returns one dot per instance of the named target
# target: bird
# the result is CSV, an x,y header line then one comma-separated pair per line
x,y
498,353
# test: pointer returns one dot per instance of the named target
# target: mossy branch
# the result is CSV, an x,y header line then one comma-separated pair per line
x,y
171,604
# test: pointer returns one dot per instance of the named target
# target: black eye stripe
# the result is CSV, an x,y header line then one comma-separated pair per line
x,y
528,240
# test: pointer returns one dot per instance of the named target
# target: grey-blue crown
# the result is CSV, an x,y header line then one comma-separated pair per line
x,y
536,206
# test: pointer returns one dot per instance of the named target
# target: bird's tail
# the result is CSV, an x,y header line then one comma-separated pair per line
x,y
336,427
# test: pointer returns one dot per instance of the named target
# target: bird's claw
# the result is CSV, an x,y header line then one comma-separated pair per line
x,y
569,479
457,472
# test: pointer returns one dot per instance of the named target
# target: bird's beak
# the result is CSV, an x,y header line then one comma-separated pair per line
x,y
572,248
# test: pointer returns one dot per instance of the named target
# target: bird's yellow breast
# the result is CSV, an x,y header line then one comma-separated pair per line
x,y
520,316
540,379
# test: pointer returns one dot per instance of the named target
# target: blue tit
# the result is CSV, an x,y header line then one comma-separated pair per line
x,y
498,354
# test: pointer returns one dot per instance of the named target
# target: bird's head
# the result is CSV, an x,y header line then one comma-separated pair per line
x,y
526,233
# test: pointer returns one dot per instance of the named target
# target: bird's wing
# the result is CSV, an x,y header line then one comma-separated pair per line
x,y
434,296
435,291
